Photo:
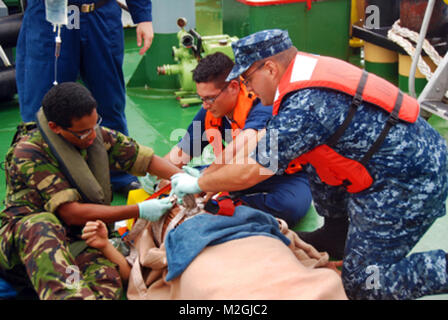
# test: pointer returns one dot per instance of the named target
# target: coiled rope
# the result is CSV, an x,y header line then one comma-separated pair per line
x,y
400,36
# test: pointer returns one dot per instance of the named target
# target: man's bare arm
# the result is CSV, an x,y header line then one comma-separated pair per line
x,y
162,168
178,157
77,213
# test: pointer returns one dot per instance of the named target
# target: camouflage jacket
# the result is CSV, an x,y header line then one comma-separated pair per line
x,y
34,181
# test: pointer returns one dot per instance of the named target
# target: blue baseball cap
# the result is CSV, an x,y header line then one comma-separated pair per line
x,y
257,46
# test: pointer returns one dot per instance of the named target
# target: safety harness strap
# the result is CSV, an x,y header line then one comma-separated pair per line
x,y
391,121
356,102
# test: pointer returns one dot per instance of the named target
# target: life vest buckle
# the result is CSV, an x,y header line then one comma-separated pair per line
x,y
87,7
357,100
393,119
346,183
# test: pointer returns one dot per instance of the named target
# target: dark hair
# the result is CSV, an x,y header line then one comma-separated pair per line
x,y
67,101
213,68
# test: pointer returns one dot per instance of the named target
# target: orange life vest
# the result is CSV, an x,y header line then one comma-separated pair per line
x,y
213,125
310,71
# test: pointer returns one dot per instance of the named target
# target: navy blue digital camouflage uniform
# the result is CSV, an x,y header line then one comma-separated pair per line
x,y
408,193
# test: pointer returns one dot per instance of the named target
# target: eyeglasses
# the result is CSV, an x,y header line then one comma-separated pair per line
x,y
85,133
246,79
211,100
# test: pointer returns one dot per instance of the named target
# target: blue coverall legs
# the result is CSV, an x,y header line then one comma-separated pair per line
x,y
94,52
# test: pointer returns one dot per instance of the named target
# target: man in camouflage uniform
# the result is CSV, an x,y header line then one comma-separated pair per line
x,y
386,219
39,227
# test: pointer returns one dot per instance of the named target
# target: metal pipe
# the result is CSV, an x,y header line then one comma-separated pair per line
x,y
4,57
418,50
7,83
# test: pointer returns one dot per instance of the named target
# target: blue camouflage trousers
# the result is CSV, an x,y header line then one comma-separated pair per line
x,y
385,223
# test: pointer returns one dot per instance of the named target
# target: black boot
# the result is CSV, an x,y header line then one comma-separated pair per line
x,y
330,237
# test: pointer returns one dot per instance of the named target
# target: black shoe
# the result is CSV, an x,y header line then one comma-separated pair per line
x,y
329,238
131,186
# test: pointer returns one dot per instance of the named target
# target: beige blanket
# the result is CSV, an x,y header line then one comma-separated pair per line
x,y
250,268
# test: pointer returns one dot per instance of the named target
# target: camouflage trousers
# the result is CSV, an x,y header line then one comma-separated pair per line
x,y
39,242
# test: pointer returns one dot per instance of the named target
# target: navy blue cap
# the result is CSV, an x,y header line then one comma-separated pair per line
x,y
257,46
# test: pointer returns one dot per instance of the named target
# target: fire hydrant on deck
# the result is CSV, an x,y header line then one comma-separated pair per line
x,y
193,47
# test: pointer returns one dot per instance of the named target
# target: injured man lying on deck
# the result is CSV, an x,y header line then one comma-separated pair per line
x,y
241,254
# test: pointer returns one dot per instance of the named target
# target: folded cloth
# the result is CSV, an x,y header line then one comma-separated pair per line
x,y
250,268
209,230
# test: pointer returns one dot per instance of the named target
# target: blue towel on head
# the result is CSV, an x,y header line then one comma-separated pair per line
x,y
186,241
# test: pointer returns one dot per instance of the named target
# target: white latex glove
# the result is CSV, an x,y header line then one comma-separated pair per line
x,y
182,184
154,209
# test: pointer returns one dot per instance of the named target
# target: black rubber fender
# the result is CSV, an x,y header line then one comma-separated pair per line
x,y
9,30
8,87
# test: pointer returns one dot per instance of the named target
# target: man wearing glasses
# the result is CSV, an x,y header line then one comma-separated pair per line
x,y
233,115
57,174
